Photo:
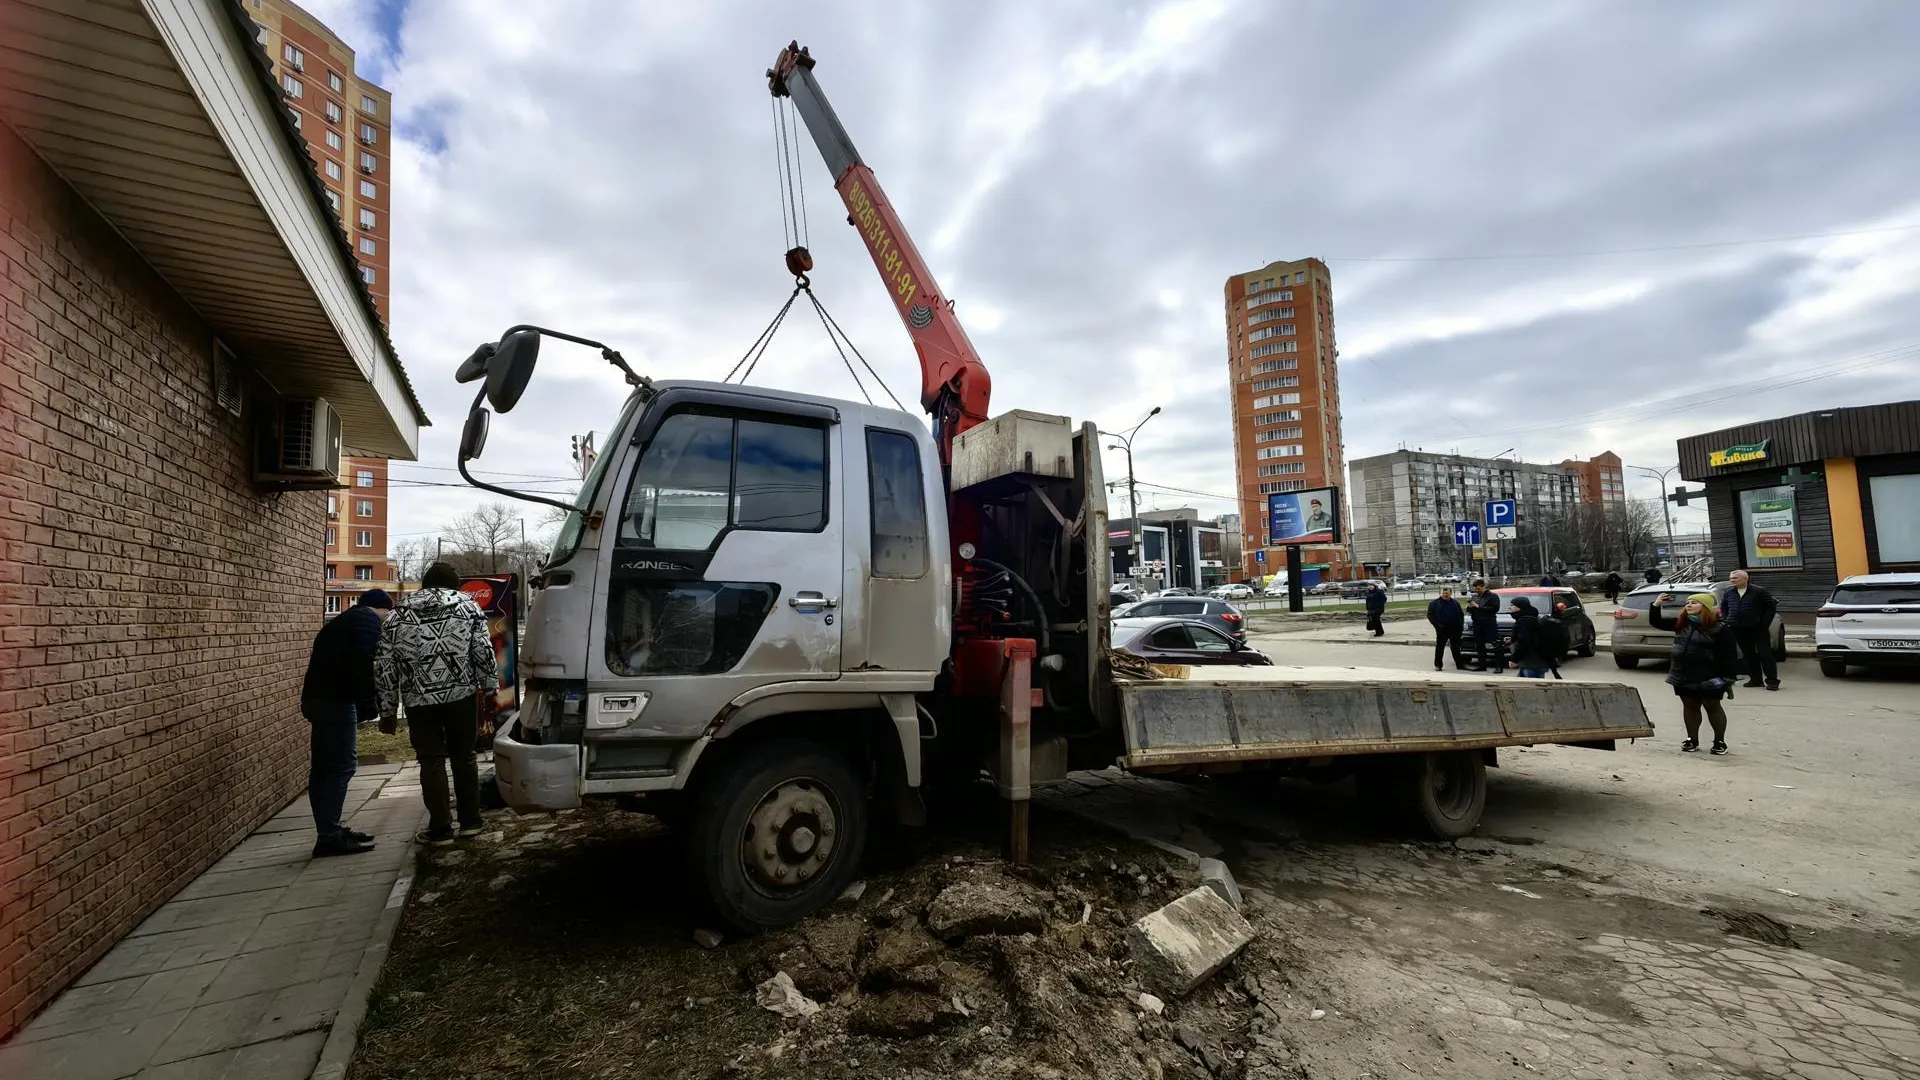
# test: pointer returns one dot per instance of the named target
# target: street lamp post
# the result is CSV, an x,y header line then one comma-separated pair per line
x,y
1666,511
1133,490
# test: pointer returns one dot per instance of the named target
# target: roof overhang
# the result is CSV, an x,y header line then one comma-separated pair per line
x,y
164,116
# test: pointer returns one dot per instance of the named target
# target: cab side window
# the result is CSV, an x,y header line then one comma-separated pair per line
x,y
703,472
898,504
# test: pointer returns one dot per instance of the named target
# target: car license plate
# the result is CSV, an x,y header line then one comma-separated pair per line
x,y
1887,643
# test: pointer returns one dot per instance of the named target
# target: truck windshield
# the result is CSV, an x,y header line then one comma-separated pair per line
x,y
568,541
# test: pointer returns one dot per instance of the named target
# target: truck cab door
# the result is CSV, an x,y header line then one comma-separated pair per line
x,y
723,568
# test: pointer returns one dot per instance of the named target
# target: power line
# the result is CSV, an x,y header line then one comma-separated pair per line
x,y
1619,251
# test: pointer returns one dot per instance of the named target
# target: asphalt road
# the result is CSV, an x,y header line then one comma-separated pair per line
x,y
1817,796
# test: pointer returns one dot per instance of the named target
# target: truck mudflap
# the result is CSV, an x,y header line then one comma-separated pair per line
x,y
535,777
1195,716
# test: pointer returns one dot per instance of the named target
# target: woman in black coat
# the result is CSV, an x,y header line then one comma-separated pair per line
x,y
1704,665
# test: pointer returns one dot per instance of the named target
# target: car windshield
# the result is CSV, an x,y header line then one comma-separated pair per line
x,y
1877,595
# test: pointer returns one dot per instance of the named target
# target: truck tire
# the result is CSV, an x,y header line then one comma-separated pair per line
x,y
1591,646
1625,663
777,834
1833,669
1446,792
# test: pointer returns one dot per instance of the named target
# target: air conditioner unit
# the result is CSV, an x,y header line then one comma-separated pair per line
x,y
365,168
297,64
298,445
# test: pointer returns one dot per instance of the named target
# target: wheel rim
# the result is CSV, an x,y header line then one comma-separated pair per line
x,y
790,837
1451,780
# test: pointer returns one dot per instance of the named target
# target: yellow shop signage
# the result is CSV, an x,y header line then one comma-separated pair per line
x,y
1735,455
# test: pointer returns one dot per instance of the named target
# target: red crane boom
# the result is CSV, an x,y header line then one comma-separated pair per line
x,y
954,384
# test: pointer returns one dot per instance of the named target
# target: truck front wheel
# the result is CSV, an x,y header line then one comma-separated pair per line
x,y
1448,792
777,834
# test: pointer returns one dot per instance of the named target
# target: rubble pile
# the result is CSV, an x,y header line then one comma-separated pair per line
x,y
976,970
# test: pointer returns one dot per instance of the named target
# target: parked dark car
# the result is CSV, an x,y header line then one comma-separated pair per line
x,y
1358,587
1219,614
1182,641
1552,602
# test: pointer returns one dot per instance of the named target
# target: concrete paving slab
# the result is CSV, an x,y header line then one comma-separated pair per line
x,y
136,956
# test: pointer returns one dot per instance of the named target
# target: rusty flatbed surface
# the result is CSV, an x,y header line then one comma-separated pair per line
x,y
1213,715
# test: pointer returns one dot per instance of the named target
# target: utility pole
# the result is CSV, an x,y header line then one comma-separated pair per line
x,y
1666,511
1133,489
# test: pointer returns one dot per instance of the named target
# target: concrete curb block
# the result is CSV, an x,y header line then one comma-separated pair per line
x,y
337,1053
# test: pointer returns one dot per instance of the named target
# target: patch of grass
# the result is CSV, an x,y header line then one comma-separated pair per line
x,y
394,747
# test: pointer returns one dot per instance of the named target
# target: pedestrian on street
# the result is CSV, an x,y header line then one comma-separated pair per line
x,y
1448,621
1376,607
1614,581
1533,649
338,693
1484,610
1704,665
436,658
1653,575
1748,611
1547,581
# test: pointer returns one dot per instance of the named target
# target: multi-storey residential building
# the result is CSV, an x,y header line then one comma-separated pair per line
x,y
1404,505
1282,365
346,121
357,536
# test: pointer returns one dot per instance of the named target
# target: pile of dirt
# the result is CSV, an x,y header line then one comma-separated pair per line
x,y
553,951
975,969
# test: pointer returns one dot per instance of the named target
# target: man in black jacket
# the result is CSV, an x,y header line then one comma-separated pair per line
x,y
339,692
1448,621
1376,607
1748,611
1484,610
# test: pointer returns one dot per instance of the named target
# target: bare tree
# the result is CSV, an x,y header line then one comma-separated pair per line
x,y
410,559
475,542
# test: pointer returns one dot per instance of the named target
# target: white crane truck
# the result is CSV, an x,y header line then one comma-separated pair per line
x,y
774,617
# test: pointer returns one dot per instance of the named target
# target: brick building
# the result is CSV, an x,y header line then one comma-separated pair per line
x,y
1283,367
357,535
170,277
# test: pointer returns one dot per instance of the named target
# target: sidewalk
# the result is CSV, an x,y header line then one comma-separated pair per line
x,y
243,974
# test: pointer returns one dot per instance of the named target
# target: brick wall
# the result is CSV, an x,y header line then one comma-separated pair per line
x,y
149,673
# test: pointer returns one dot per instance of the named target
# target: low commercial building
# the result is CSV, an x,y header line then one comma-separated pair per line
x,y
1803,501
1177,549
176,297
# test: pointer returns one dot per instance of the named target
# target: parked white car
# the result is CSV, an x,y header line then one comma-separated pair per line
x,y
1409,586
1871,620
1232,591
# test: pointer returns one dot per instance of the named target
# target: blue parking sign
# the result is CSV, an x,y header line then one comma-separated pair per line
x,y
1260,556
1501,512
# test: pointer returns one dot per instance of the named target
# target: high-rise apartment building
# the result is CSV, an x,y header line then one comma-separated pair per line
x,y
1283,368
357,536
347,122
1404,505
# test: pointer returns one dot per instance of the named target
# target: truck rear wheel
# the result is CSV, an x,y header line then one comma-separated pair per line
x,y
778,834
1447,792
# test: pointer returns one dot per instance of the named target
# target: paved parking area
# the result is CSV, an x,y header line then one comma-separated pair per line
x,y
245,972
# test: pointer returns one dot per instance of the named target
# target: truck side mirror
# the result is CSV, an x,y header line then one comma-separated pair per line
x,y
510,368
473,436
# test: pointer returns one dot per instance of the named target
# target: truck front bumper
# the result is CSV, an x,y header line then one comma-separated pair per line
x,y
534,777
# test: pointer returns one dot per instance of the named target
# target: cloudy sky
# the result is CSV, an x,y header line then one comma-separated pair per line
x,y
1566,227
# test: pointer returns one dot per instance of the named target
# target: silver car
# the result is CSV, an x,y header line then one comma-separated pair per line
x,y
1634,640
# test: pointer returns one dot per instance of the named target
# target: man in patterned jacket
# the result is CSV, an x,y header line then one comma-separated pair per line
x,y
436,657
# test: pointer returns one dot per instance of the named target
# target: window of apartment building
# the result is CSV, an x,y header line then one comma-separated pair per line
x,y
1277,434
1268,332
292,86
334,112
369,219
333,603
363,478
1276,399
368,163
1299,277
335,142
368,190
333,170
1276,382
367,275
333,200
333,506
332,571
261,36
333,536
1285,468
369,246
334,83
294,56
369,135
1290,363
1269,315
363,573
369,106
363,538
1292,450
1281,417
1282,485
363,508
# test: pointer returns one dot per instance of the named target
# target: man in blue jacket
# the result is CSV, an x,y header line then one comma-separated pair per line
x,y
338,693
1448,623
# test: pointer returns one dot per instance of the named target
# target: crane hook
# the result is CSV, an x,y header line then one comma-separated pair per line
x,y
799,261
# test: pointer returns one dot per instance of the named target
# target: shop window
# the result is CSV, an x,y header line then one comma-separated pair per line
x,y
1896,517
1769,528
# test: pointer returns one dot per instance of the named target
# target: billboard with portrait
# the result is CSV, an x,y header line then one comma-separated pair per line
x,y
1304,517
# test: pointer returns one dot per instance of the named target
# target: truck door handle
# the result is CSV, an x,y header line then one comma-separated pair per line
x,y
812,601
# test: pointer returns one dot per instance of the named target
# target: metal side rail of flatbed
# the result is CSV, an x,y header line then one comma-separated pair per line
x,y
1215,715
